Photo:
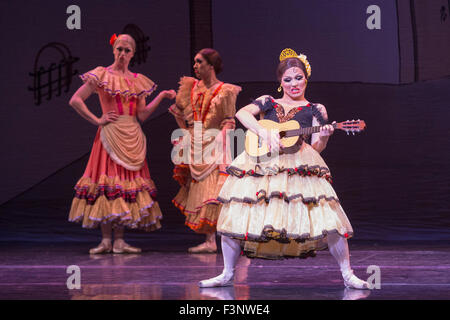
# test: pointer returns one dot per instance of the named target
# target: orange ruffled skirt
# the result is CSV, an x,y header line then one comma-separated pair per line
x,y
197,200
282,208
107,192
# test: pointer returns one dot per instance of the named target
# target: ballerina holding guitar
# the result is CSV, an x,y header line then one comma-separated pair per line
x,y
284,206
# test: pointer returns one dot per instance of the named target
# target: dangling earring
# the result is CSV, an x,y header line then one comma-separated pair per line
x,y
280,88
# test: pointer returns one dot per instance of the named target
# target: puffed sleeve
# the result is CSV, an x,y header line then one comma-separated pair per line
x,y
113,84
264,103
95,77
143,86
318,115
183,98
227,96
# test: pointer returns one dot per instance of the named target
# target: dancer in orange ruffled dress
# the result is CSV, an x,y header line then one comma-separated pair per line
x,y
203,104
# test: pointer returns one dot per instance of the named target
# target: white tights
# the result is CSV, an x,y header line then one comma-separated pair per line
x,y
337,245
339,250
231,249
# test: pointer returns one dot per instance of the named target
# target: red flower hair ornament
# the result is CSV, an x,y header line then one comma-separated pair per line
x,y
113,39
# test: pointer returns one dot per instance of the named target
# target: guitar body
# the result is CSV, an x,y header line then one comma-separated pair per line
x,y
255,147
290,133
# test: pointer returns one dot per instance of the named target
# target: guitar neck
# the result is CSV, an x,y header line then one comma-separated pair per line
x,y
305,131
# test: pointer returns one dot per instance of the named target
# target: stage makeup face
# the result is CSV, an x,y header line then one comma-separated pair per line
x,y
201,67
293,82
123,52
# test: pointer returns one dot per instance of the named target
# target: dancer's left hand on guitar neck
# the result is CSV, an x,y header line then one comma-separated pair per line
x,y
325,132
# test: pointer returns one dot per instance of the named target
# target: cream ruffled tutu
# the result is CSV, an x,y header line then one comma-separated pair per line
x,y
282,208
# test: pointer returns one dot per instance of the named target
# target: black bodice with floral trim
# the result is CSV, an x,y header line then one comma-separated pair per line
x,y
303,114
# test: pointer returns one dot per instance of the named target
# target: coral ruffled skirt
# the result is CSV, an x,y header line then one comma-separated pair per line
x,y
107,192
282,208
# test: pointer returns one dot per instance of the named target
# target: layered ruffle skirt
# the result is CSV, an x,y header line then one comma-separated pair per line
x,y
107,192
282,208
197,200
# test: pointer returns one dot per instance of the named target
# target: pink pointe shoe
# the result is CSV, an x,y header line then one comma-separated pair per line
x,y
203,248
101,248
126,248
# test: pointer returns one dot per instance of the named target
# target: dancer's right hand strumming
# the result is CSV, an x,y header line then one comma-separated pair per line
x,y
271,138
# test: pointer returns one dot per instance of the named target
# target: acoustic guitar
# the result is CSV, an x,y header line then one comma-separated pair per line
x,y
290,133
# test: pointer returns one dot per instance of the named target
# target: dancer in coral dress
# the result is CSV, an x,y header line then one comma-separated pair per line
x,y
116,190
285,206
203,104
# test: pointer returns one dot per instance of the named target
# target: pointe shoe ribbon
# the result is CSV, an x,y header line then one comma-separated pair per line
x,y
101,248
127,249
219,281
353,282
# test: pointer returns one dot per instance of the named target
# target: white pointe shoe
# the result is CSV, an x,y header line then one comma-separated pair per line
x,y
219,281
355,294
353,282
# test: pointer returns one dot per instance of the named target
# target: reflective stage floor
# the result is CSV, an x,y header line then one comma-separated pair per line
x,y
40,271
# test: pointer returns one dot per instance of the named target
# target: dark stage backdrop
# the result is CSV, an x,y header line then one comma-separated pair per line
x,y
411,44
431,27
333,34
393,179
